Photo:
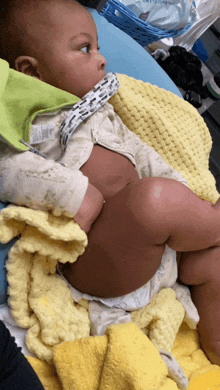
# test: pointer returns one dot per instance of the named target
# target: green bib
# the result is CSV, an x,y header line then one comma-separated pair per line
x,y
21,99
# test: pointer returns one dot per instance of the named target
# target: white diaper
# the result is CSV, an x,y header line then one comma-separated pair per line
x,y
165,276
105,311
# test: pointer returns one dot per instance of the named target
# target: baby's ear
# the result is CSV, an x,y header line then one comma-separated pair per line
x,y
28,65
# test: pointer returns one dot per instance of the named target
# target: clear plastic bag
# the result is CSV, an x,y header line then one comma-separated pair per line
x,y
164,14
209,12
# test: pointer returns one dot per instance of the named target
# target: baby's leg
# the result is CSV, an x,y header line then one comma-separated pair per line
x,y
201,269
122,252
127,241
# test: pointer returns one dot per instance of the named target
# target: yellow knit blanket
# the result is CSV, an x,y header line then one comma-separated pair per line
x,y
172,127
41,302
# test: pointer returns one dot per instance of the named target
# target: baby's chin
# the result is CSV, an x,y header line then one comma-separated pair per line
x,y
100,78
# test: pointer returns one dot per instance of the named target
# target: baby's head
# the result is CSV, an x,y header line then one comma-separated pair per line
x,y
55,41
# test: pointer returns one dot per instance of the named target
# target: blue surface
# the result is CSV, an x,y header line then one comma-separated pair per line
x,y
200,50
123,55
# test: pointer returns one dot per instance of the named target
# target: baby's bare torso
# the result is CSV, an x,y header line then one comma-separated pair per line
x,y
109,171
114,233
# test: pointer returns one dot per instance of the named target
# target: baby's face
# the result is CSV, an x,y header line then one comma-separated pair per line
x,y
66,47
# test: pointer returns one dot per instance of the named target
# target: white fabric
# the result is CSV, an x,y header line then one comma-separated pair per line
x,y
33,181
183,295
102,316
174,370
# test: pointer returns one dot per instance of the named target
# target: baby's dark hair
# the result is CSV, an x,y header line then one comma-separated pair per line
x,y
12,43
12,39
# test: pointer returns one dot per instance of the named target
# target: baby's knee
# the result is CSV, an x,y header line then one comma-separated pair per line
x,y
161,189
144,194
157,196
153,189
145,201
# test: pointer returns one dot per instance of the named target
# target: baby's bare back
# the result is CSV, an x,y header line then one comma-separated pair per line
x,y
109,171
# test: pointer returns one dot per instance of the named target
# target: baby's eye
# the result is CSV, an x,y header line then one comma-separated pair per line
x,y
85,48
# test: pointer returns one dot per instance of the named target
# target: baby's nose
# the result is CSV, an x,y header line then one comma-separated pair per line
x,y
101,61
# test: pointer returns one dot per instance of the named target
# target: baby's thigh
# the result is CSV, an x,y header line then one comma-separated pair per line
x,y
123,251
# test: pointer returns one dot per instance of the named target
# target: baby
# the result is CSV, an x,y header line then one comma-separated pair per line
x,y
133,206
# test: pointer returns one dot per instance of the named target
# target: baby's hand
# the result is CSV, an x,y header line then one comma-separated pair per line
x,y
90,208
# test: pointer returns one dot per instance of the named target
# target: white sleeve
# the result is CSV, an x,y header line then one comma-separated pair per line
x,y
150,163
29,180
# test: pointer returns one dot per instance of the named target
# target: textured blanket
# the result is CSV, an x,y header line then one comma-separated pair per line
x,y
172,127
125,359
41,302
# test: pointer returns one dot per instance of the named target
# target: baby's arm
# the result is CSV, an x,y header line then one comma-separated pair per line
x,y
90,208
30,180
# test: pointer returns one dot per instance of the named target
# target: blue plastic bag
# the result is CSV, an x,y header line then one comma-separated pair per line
x,y
164,14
